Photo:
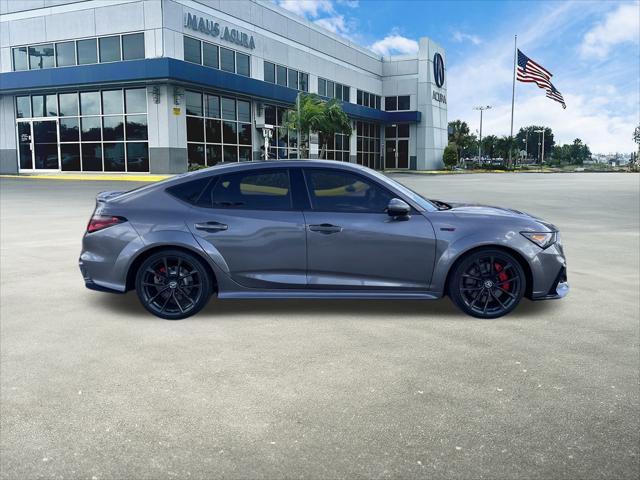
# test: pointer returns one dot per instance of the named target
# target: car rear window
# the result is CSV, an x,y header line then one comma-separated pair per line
x,y
190,192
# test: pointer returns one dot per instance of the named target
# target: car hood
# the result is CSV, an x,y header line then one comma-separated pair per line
x,y
464,209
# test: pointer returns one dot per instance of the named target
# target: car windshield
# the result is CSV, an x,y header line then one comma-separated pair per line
x,y
428,205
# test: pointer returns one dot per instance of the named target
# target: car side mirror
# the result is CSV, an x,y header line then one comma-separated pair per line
x,y
398,208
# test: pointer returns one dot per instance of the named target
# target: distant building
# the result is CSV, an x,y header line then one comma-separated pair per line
x,y
159,86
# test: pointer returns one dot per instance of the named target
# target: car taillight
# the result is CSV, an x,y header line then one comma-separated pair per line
x,y
100,222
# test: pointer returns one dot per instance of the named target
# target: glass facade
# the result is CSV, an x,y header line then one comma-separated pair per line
x,y
367,99
214,56
401,102
98,130
284,143
336,148
328,88
218,129
368,144
113,48
287,77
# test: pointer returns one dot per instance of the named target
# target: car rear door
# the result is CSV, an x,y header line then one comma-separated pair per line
x,y
249,218
353,244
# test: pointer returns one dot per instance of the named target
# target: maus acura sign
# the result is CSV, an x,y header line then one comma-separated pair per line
x,y
213,28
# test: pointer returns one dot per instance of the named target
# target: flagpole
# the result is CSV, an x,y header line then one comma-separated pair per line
x,y
513,94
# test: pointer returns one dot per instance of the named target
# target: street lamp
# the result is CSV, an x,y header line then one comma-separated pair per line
x,y
541,156
482,109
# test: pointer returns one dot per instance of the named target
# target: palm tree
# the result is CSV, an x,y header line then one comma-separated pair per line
x,y
313,114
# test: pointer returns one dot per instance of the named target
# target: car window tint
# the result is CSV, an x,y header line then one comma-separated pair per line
x,y
336,191
266,190
189,191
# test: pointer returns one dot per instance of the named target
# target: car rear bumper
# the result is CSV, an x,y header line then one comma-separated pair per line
x,y
106,255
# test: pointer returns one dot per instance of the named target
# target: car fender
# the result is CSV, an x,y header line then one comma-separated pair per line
x,y
181,239
451,252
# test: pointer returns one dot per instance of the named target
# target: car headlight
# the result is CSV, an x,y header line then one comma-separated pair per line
x,y
542,239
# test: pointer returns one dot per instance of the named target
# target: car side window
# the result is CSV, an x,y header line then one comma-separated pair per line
x,y
191,191
263,190
337,191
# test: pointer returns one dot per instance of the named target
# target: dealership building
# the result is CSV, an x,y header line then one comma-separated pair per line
x,y
162,86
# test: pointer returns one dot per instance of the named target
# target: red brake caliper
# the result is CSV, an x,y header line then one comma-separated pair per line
x,y
502,276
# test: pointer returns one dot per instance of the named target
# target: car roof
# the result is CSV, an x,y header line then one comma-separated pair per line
x,y
281,164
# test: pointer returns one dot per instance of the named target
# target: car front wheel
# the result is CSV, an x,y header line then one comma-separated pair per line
x,y
487,284
173,284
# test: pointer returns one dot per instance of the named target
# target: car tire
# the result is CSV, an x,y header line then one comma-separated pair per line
x,y
487,283
173,284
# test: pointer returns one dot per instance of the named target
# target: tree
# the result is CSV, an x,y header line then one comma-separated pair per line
x,y
317,115
489,146
527,138
579,152
450,156
636,136
466,143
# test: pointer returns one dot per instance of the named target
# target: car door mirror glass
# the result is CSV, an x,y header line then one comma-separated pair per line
x,y
398,208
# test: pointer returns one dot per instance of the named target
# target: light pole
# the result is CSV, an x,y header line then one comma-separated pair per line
x,y
542,146
482,109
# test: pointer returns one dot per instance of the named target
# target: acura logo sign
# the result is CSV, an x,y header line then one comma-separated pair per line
x,y
438,70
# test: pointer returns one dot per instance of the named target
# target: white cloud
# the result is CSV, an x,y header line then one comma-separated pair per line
x,y
336,24
349,3
619,26
460,37
583,118
395,44
600,113
307,8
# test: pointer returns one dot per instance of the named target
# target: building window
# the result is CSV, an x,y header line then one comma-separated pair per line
x,y
218,129
328,88
65,54
192,51
367,99
284,143
287,77
41,56
401,102
112,48
133,46
87,51
368,144
336,148
20,59
109,49
210,55
98,130
269,72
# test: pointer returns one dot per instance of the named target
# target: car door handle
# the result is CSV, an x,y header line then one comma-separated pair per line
x,y
211,226
325,228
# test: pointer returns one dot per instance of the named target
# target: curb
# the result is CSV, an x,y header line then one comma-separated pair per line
x,y
83,177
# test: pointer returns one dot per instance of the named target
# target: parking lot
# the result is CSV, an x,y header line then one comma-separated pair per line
x,y
92,386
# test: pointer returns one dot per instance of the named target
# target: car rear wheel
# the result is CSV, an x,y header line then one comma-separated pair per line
x,y
487,284
173,284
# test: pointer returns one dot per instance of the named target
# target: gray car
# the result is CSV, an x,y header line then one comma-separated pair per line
x,y
313,229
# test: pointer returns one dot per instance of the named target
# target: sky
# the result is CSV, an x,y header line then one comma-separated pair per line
x,y
591,48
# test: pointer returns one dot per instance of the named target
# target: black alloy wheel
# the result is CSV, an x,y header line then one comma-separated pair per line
x,y
173,284
487,284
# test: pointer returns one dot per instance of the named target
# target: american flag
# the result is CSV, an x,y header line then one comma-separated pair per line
x,y
529,71
554,94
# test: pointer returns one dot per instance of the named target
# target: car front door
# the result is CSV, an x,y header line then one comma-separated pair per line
x,y
250,220
352,243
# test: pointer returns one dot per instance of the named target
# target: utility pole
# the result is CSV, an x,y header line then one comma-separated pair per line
x,y
541,156
482,109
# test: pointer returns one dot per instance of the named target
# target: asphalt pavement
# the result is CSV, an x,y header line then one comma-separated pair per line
x,y
92,386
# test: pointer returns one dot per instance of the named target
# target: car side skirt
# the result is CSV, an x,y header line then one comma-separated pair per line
x,y
316,294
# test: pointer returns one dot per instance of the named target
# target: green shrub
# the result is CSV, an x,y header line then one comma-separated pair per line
x,y
450,156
